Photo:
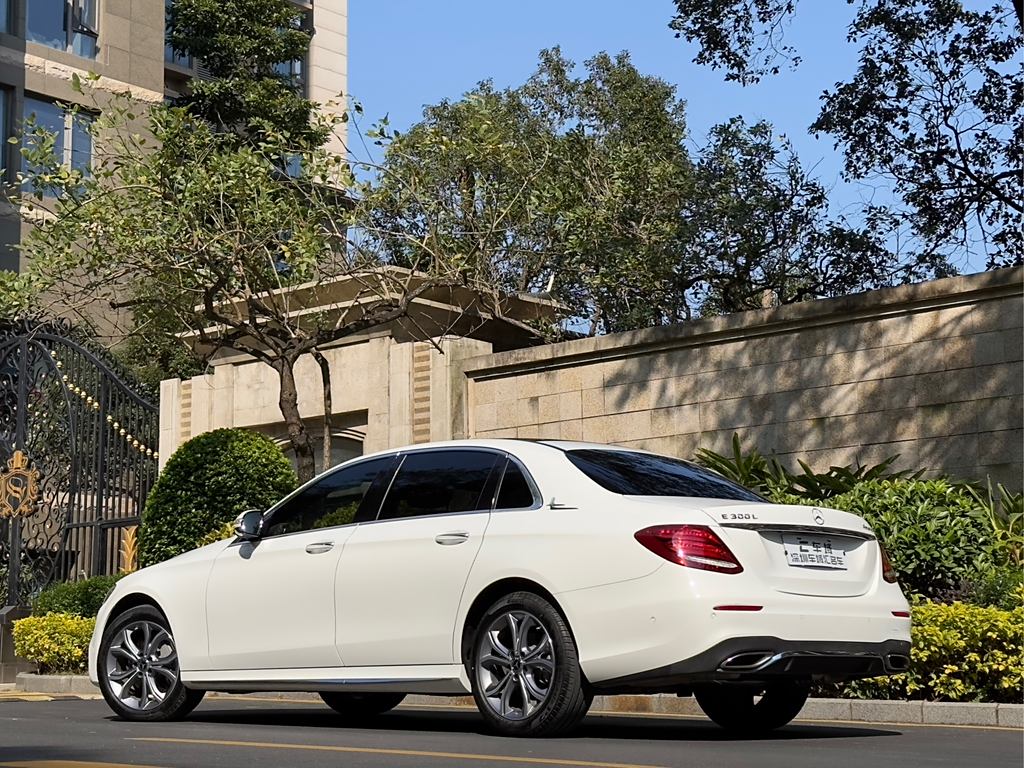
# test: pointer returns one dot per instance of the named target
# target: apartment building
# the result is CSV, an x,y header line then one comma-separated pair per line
x,y
44,43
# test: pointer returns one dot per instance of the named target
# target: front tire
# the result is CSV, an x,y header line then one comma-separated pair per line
x,y
525,669
138,668
737,709
358,706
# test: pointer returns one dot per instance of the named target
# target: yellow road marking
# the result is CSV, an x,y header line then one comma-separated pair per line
x,y
68,764
394,752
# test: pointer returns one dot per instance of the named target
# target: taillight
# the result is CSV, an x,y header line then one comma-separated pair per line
x,y
695,546
888,572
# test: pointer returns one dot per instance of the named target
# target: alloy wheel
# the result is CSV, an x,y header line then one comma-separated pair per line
x,y
515,665
142,665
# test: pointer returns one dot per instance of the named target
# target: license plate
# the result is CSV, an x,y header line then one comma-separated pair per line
x,y
807,550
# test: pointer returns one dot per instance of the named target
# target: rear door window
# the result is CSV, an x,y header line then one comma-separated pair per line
x,y
441,482
644,474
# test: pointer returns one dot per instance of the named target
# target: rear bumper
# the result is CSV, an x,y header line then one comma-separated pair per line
x,y
757,659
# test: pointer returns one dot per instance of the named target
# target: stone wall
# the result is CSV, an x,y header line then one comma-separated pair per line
x,y
931,372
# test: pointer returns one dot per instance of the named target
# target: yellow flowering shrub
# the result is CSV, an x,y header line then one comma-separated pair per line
x,y
960,652
57,642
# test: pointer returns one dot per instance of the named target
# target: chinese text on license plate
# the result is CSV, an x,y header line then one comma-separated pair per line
x,y
818,551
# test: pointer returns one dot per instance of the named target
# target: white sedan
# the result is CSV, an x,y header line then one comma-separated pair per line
x,y
532,574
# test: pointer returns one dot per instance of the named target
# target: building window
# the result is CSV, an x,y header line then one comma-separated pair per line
x,y
5,130
5,16
73,142
294,71
170,56
67,25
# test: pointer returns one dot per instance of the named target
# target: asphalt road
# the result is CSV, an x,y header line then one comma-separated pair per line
x,y
233,733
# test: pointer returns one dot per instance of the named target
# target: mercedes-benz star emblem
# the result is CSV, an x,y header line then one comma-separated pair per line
x,y
819,518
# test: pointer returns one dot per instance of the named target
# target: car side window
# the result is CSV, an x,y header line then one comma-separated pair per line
x,y
440,482
333,500
516,491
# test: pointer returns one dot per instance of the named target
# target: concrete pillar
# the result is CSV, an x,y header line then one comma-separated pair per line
x,y
170,419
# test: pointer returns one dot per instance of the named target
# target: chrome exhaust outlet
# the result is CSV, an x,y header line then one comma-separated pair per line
x,y
744,662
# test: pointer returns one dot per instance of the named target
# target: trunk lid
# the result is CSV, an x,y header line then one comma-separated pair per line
x,y
796,549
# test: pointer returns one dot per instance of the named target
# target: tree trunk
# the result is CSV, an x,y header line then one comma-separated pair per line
x,y
325,376
297,434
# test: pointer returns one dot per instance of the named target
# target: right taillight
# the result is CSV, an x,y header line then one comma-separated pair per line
x,y
888,572
695,546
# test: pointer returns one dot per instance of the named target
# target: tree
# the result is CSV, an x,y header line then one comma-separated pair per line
x,y
933,106
763,235
569,184
583,185
225,245
246,45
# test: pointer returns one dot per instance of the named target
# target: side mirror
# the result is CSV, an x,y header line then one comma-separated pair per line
x,y
248,524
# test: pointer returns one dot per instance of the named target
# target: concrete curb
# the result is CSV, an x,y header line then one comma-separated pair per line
x,y
835,710
29,682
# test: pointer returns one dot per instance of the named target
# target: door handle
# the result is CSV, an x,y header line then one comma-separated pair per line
x,y
453,537
320,547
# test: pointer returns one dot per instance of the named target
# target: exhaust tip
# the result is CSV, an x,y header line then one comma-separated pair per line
x,y
898,662
746,661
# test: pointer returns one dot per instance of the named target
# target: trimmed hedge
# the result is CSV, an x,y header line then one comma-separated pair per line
x,y
206,483
57,642
960,652
79,598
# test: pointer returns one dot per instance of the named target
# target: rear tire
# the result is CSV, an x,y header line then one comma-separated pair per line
x,y
360,706
734,707
138,668
525,669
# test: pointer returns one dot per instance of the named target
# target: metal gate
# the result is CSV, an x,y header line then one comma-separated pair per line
x,y
77,459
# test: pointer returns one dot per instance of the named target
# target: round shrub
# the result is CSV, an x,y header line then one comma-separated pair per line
x,y
207,482
927,526
57,642
79,598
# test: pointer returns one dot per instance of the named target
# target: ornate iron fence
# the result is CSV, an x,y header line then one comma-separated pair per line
x,y
77,459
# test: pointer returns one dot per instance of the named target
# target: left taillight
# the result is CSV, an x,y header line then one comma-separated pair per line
x,y
695,546
888,572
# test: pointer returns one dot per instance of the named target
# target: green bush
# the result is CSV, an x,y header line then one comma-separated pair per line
x,y
80,598
769,477
928,528
207,482
997,586
57,642
960,652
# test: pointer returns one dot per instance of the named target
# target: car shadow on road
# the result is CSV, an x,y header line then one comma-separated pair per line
x,y
595,726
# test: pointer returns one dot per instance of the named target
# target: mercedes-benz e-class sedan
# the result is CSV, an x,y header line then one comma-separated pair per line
x,y
532,574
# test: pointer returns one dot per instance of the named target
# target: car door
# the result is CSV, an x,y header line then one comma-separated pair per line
x,y
401,577
270,603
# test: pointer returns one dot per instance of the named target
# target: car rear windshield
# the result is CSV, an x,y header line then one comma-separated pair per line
x,y
645,474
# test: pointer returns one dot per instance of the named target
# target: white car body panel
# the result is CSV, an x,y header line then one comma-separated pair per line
x,y
398,601
404,614
272,605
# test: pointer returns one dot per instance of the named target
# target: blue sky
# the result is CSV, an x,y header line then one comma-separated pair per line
x,y
404,55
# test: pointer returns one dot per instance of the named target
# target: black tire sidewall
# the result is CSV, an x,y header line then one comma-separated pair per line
x,y
178,702
560,710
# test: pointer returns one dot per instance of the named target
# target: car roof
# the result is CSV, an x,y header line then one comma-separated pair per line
x,y
515,446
